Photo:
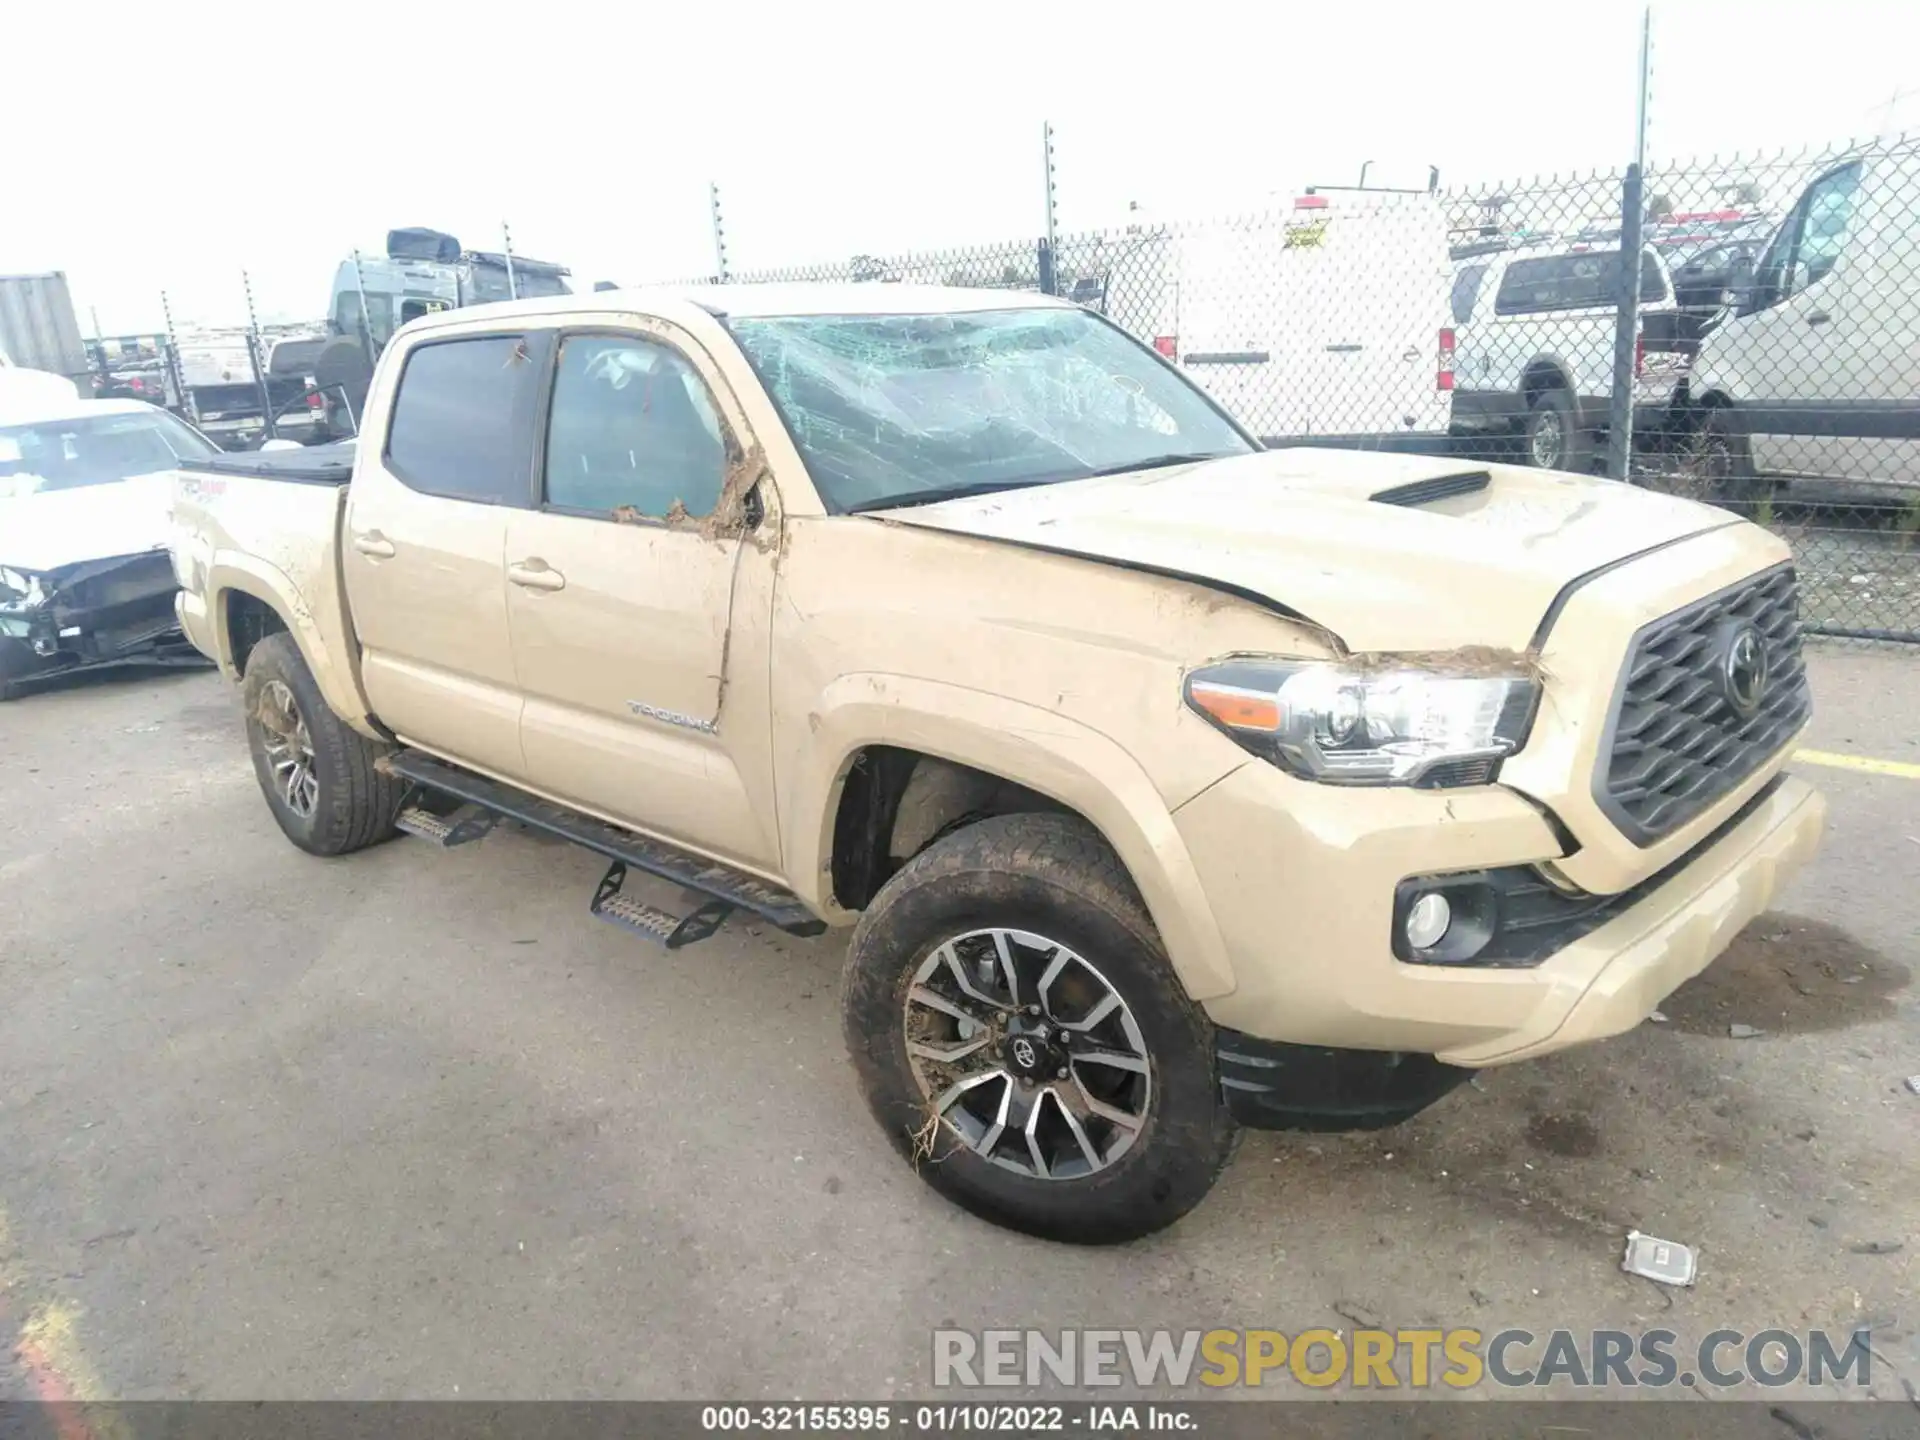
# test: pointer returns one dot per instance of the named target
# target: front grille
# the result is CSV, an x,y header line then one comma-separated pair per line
x,y
1675,742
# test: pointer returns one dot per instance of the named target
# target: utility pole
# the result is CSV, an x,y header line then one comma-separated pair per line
x,y
258,362
1048,269
506,242
1626,331
366,320
719,232
182,397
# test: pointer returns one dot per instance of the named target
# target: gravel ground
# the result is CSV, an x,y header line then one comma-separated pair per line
x,y
412,1124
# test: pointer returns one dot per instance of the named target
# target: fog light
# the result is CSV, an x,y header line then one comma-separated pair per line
x,y
1427,921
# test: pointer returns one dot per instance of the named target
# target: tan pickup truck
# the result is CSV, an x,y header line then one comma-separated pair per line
x,y
1169,784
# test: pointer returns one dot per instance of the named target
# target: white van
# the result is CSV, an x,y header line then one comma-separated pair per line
x,y
1329,327
1814,372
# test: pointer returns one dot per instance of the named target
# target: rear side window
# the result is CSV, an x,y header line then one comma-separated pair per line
x,y
1466,290
1571,282
462,420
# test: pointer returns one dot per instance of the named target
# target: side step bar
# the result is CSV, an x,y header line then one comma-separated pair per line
x,y
461,826
673,931
721,883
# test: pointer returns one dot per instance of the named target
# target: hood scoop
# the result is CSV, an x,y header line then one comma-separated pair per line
x,y
1439,487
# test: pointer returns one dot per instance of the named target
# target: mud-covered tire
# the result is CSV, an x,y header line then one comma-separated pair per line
x,y
354,803
1055,876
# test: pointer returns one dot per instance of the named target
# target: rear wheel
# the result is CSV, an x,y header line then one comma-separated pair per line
x,y
317,773
1023,1041
1555,438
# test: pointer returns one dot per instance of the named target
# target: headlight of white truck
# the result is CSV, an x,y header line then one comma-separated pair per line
x,y
19,588
1381,724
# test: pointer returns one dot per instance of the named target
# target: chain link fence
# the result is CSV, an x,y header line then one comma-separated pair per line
x,y
1764,354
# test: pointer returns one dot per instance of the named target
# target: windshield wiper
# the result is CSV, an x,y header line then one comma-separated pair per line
x,y
989,487
952,492
1159,462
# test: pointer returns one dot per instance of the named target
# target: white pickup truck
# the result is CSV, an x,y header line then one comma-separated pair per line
x,y
1173,784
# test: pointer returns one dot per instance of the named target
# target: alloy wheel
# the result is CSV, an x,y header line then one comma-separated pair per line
x,y
1028,1053
289,748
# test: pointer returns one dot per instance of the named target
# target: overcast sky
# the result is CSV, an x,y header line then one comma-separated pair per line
x,y
169,145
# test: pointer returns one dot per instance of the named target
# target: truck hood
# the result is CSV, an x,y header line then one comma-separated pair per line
x,y
45,530
1387,552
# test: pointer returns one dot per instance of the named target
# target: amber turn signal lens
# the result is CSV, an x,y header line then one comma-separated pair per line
x,y
1241,709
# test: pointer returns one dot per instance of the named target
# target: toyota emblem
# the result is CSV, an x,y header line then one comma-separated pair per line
x,y
1024,1054
1743,670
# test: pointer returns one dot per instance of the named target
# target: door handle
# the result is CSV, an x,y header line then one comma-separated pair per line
x,y
374,545
536,574
1819,317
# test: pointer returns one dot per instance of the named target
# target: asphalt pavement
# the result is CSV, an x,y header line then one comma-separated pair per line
x,y
413,1124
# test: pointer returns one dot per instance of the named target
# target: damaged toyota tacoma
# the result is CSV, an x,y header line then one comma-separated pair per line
x,y
85,578
1168,784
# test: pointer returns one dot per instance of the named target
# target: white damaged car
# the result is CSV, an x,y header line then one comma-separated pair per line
x,y
85,579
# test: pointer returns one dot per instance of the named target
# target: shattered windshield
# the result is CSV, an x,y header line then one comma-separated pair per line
x,y
93,450
899,409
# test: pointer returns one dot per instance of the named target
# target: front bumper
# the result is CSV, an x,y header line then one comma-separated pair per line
x,y
99,612
1301,880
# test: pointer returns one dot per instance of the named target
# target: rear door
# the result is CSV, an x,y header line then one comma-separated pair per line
x,y
423,552
621,598
1383,301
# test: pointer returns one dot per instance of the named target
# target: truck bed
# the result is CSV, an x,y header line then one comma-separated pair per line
x,y
309,465
267,525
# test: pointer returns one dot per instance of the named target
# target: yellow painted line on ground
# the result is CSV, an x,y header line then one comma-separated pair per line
x,y
1867,763
48,1349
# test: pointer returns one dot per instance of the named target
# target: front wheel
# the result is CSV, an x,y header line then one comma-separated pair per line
x,y
319,775
1023,1041
1717,468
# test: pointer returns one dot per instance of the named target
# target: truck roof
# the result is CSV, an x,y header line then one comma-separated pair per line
x,y
842,298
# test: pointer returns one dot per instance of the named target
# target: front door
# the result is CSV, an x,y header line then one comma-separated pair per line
x,y
1788,350
424,542
621,606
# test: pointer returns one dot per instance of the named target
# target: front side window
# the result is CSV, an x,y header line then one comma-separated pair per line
x,y
347,318
907,409
458,418
1810,241
632,431
1829,215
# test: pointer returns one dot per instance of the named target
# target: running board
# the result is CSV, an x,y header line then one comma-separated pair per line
x,y
719,882
673,931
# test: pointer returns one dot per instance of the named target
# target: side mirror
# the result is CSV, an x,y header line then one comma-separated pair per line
x,y
1798,278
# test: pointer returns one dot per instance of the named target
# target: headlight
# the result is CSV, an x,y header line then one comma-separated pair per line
x,y
1373,725
19,588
